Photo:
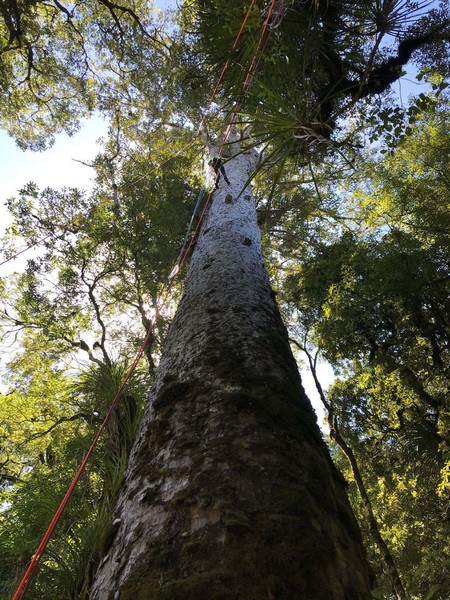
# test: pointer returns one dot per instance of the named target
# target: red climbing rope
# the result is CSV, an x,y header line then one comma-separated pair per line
x,y
225,66
27,578
256,60
254,63
210,101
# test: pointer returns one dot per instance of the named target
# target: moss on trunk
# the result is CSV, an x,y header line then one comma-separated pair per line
x,y
230,490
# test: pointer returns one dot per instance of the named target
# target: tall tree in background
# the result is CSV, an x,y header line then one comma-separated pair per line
x,y
57,61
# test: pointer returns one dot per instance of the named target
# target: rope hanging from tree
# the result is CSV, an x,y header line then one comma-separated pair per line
x,y
28,576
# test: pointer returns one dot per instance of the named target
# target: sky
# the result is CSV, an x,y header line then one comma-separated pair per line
x,y
56,167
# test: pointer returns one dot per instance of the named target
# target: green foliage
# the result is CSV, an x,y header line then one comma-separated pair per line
x,y
375,300
52,422
55,58
410,188
318,63
399,450
358,245
102,260
382,300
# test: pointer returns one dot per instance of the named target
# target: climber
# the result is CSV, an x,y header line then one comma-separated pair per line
x,y
217,164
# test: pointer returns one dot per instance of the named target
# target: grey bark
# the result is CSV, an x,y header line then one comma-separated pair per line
x,y
230,491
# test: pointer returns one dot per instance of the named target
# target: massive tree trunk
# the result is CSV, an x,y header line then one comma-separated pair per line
x,y
230,491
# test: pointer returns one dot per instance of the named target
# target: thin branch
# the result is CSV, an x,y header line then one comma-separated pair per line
x,y
82,415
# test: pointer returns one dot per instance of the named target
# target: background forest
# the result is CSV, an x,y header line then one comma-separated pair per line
x,y
353,191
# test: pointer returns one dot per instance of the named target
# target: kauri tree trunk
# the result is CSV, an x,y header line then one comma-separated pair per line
x,y
230,492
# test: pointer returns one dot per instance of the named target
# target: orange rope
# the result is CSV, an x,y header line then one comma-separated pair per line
x,y
210,101
255,61
27,578
225,66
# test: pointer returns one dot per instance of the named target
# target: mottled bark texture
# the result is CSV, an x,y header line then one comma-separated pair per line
x,y
230,492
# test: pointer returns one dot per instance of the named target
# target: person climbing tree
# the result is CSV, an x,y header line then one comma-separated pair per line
x,y
217,164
